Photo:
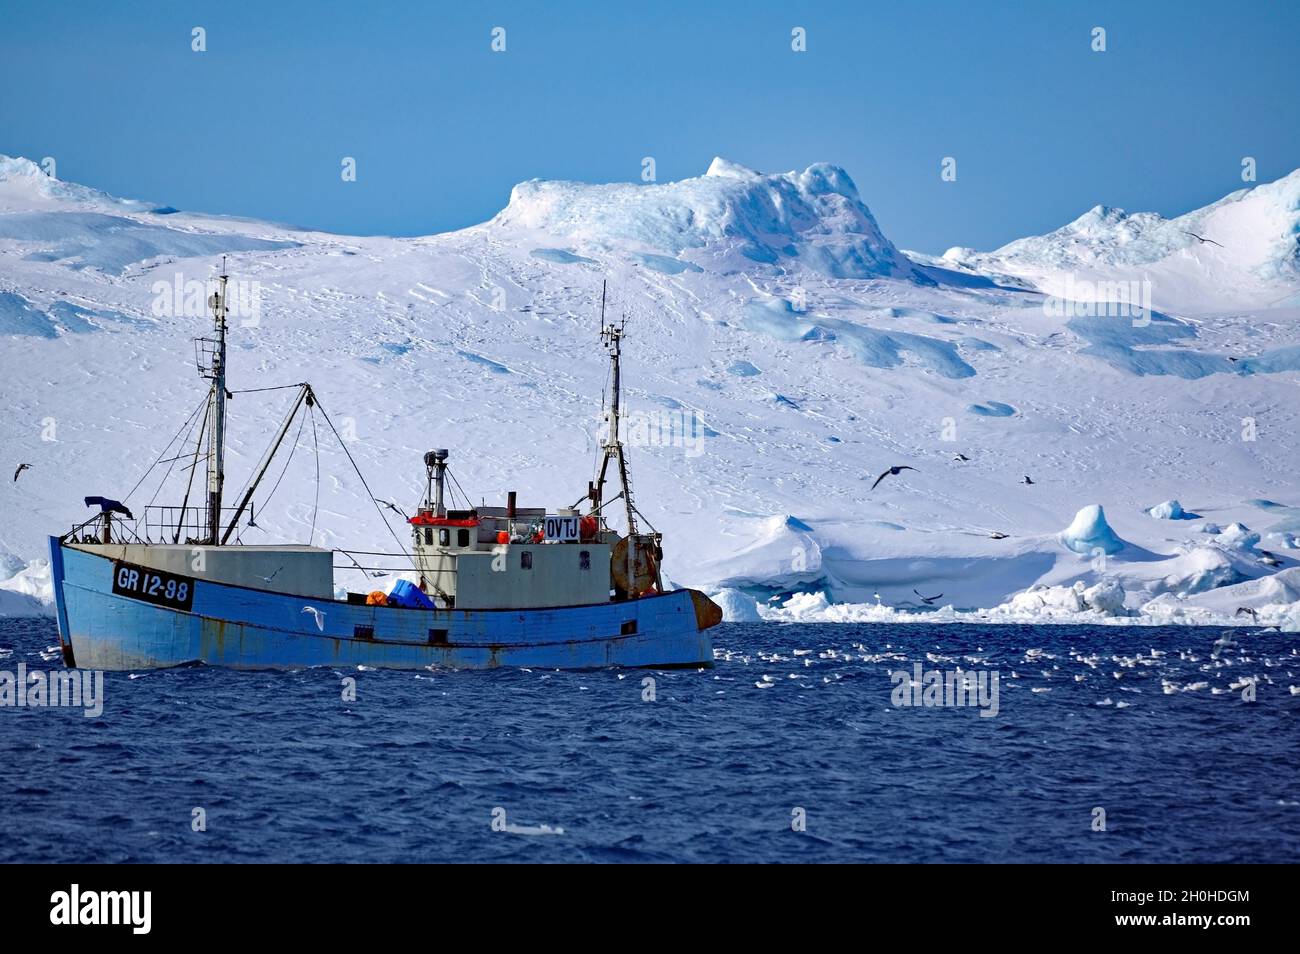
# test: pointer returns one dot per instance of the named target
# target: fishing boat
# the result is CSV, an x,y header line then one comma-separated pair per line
x,y
485,586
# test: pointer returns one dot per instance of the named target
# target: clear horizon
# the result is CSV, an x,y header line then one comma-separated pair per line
x,y
1041,126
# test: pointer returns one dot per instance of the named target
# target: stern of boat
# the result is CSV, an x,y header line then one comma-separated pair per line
x,y
60,602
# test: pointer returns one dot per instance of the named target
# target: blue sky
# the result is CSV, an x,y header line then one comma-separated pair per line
x,y
441,127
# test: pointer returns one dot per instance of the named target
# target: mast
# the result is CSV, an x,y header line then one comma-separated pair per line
x,y
435,494
217,410
613,338
612,446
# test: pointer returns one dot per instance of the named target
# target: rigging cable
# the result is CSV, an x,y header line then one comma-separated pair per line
x,y
277,387
315,507
189,484
362,478
193,414
287,461
162,483
271,448
468,504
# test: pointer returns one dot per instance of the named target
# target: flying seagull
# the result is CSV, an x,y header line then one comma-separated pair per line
x,y
316,615
1247,611
268,579
960,457
892,472
391,506
21,468
1200,239
927,600
1027,480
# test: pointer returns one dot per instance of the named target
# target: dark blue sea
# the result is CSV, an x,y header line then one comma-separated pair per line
x,y
795,727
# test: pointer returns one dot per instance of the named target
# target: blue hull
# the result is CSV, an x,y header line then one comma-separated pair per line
x,y
252,629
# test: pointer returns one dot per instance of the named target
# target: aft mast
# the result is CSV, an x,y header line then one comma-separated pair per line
x,y
611,336
216,371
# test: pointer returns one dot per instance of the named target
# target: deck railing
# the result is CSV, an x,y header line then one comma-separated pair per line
x,y
160,524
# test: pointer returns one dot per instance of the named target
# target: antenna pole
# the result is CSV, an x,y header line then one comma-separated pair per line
x,y
611,336
217,411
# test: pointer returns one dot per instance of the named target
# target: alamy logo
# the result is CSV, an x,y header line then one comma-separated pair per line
x,y
63,688
181,298
681,428
943,688
102,907
1100,299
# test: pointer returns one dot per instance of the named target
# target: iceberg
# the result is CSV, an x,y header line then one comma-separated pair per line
x,y
1089,532
1171,510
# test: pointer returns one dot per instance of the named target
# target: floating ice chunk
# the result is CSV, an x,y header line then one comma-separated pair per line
x,y
1090,532
1106,598
1237,536
1170,510
29,592
1201,569
737,606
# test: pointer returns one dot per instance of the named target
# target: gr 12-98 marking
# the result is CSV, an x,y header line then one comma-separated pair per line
x,y
153,586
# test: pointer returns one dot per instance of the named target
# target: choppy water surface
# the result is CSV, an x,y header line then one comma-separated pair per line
x,y
1148,724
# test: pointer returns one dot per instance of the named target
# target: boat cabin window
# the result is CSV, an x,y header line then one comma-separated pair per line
x,y
444,537
462,538
428,535
526,560
584,560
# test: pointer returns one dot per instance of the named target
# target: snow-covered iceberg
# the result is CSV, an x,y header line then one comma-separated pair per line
x,y
28,592
814,217
1170,510
1241,251
1089,533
